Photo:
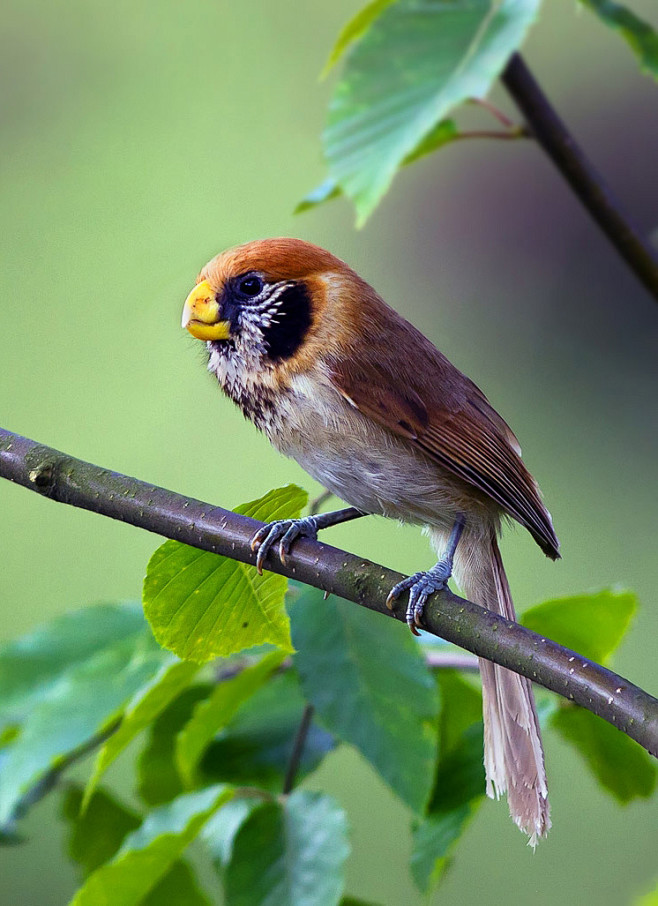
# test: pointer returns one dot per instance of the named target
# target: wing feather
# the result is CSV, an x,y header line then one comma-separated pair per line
x,y
443,414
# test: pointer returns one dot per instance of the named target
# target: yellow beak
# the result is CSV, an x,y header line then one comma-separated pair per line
x,y
201,314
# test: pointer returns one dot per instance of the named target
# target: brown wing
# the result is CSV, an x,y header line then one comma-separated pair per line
x,y
432,404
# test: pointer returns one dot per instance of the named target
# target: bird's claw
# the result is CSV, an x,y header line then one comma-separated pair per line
x,y
285,531
420,586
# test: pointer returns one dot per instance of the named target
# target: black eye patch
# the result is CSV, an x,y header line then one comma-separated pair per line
x,y
289,324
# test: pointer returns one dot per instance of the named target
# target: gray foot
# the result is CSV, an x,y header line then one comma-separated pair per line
x,y
420,586
285,532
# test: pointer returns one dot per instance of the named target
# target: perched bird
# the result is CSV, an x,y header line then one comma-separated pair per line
x,y
367,405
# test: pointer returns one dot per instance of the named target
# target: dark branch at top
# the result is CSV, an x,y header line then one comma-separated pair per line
x,y
586,182
78,483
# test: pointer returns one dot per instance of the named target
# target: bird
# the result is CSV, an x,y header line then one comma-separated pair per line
x,y
368,406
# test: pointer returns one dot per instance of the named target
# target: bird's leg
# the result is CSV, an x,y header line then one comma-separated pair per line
x,y
285,531
422,585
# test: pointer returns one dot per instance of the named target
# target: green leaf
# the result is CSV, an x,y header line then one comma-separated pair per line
x,y
368,680
460,775
461,707
417,62
444,132
324,192
355,901
354,29
201,605
31,665
158,778
150,851
593,625
302,847
96,834
210,715
179,887
220,832
433,842
255,747
83,704
146,705
460,782
619,764
638,34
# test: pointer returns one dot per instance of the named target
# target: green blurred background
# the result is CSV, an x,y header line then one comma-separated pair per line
x,y
141,138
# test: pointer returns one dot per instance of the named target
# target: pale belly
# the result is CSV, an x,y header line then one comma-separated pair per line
x,y
365,465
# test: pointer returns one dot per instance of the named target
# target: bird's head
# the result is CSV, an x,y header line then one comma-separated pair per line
x,y
268,299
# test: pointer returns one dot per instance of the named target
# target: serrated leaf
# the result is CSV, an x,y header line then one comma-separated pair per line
x,y
80,706
31,665
460,782
418,61
280,503
255,748
442,134
147,703
202,605
158,778
619,764
593,625
302,847
638,34
210,715
354,29
149,852
370,685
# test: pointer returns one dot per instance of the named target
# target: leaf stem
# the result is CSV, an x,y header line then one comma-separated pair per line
x,y
502,118
582,176
69,480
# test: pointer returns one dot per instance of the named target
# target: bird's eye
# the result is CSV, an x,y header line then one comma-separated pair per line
x,y
250,286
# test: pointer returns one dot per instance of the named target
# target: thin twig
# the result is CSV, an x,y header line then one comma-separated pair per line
x,y
52,777
318,502
68,480
298,749
307,715
582,176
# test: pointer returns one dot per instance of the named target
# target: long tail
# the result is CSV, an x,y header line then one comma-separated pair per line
x,y
513,753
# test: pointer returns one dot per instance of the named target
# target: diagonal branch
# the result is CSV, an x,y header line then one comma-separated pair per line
x,y
577,169
68,480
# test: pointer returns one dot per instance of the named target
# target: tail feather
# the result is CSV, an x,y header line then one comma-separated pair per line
x,y
513,753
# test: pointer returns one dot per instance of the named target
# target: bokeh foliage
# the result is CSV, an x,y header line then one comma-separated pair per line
x,y
227,736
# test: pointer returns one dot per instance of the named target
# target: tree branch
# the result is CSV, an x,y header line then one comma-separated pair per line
x,y
68,480
586,182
